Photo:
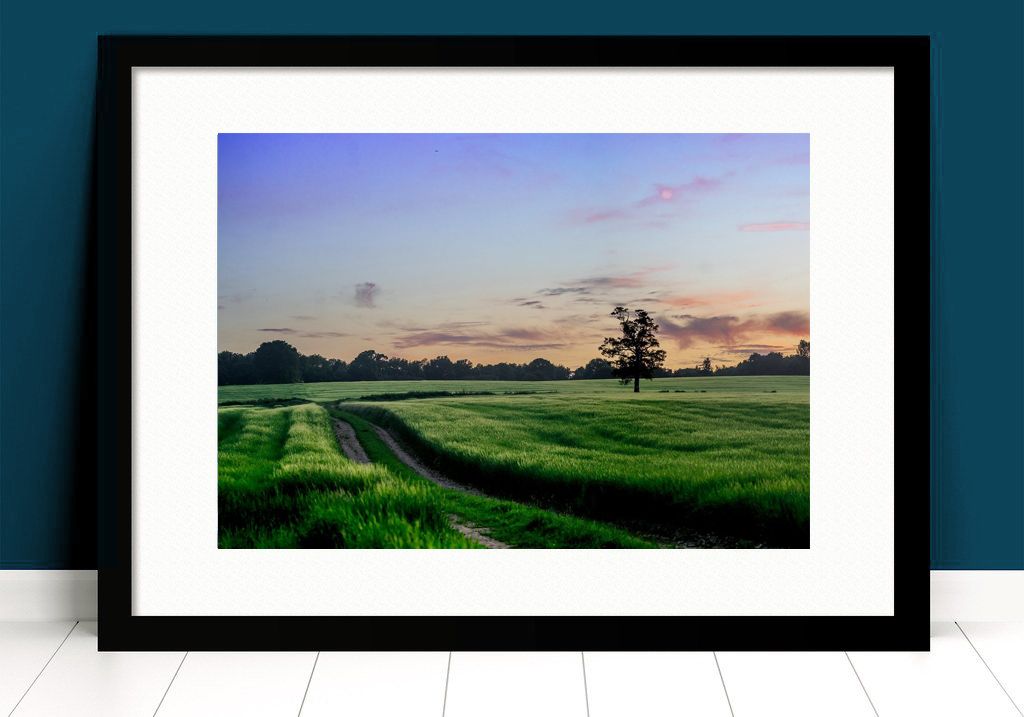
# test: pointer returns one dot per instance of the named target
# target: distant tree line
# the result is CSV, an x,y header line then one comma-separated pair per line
x,y
772,364
280,362
769,364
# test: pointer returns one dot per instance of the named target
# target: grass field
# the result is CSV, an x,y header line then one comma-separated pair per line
x,y
785,388
283,483
720,461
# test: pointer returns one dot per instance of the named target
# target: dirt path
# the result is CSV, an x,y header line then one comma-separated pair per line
x,y
475,533
414,463
472,532
347,438
691,539
348,442
354,451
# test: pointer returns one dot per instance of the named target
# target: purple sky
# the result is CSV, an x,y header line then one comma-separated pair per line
x,y
510,247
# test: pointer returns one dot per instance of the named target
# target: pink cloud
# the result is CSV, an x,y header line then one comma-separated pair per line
x,y
720,299
634,280
731,330
511,339
785,322
671,193
713,329
662,194
603,216
779,226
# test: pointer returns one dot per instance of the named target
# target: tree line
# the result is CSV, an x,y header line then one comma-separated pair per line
x,y
771,364
636,353
280,362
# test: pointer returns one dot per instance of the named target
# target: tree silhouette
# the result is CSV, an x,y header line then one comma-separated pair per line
x,y
635,354
705,365
277,362
804,348
367,366
595,368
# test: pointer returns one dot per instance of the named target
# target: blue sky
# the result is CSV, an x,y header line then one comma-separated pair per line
x,y
509,247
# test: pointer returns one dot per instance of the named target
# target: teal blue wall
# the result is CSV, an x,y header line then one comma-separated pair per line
x,y
48,53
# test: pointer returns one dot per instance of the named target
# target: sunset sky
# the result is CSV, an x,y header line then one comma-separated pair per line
x,y
512,247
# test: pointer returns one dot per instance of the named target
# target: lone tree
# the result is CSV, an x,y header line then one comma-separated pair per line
x,y
636,354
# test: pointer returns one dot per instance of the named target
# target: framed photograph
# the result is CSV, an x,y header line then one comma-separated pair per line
x,y
503,343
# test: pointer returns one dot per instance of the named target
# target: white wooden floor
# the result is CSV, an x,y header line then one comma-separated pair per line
x,y
53,669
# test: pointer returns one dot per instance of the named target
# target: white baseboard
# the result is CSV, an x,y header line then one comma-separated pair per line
x,y
978,595
47,595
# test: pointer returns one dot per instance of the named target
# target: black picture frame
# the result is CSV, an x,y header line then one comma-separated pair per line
x,y
906,629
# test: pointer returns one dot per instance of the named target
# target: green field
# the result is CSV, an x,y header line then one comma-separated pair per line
x,y
694,462
761,388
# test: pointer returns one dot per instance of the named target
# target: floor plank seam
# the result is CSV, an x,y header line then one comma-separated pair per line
x,y
586,691
173,677
43,669
865,689
447,676
724,688
987,667
308,683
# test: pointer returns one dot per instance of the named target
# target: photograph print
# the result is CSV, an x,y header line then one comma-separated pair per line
x,y
513,341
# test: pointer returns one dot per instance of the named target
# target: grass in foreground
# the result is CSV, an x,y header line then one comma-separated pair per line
x,y
722,456
283,483
734,467
520,526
